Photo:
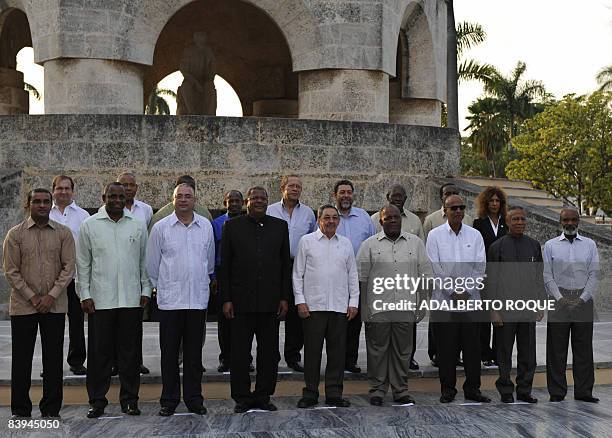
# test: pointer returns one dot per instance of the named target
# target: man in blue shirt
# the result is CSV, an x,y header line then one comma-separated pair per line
x,y
356,225
233,202
301,221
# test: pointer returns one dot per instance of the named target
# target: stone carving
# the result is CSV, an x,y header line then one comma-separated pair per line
x,y
197,94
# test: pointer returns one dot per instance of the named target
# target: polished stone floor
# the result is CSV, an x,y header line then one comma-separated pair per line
x,y
428,418
602,349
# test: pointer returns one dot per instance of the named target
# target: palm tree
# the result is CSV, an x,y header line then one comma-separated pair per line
x,y
157,105
32,90
489,133
470,35
604,78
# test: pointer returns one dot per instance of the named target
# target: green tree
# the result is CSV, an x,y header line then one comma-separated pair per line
x,y
157,104
470,35
567,151
32,90
604,78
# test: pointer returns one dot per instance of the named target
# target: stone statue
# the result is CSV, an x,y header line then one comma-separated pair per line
x,y
197,93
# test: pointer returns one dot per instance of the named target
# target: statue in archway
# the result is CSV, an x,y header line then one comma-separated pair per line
x,y
197,94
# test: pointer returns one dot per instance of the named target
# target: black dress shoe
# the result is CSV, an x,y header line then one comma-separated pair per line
x,y
337,402
165,411
353,369
198,410
251,367
267,407
20,416
489,363
588,399
114,371
507,398
296,366
241,408
447,398
556,398
41,374
459,363
434,362
307,402
478,398
414,365
131,409
376,401
405,400
95,412
144,370
79,370
526,398
222,368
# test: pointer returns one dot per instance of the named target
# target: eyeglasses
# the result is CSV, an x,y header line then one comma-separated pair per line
x,y
457,207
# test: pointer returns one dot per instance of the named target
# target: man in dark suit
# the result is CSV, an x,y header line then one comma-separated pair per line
x,y
491,206
255,283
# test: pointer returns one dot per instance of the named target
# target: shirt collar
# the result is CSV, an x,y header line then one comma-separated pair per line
x,y
562,237
126,213
382,236
72,205
174,220
352,212
282,203
448,228
30,223
320,235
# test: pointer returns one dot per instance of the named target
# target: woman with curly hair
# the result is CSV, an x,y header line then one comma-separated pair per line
x,y
491,207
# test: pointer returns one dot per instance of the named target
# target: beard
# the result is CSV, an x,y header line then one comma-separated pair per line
x,y
570,230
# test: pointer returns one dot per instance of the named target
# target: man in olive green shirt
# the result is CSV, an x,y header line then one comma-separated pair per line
x,y
113,286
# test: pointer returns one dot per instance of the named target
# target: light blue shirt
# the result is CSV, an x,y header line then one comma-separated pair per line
x,y
111,261
179,261
301,222
571,265
357,226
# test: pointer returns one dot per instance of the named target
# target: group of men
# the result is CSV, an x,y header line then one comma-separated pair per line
x,y
280,262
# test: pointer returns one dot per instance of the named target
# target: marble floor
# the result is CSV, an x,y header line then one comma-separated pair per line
x,y
602,349
428,418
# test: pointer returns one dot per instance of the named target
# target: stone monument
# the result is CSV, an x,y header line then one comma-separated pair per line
x,y
197,94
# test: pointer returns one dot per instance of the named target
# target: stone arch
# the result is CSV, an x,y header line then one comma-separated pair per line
x,y
14,36
251,53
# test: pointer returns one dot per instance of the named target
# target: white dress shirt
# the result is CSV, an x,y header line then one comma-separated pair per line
x,y
571,265
325,273
455,256
180,260
72,217
141,210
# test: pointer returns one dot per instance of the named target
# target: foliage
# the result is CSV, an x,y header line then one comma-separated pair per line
x,y
604,78
473,163
567,151
470,35
32,90
157,105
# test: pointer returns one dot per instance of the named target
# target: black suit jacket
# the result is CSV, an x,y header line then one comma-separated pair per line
x,y
486,231
255,266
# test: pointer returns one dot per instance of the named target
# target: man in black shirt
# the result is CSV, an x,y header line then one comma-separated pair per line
x,y
255,283
514,274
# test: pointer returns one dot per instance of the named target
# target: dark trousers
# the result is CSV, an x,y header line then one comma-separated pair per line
x,y
488,349
114,331
579,324
352,340
76,329
330,327
186,327
23,338
223,334
432,349
455,331
265,328
414,340
525,335
294,335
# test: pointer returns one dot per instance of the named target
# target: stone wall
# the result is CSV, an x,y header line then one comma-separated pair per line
x,y
222,154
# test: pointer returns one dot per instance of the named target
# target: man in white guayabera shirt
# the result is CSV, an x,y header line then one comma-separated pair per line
x,y
180,261
326,290
457,254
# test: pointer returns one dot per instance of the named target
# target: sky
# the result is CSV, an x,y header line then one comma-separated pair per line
x,y
563,42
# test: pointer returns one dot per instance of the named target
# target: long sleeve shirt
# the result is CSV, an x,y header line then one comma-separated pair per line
x,y
571,265
72,217
180,260
38,261
457,256
142,211
380,258
356,226
168,209
410,223
301,222
325,273
111,261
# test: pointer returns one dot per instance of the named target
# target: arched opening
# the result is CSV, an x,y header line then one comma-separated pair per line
x,y
33,79
248,49
14,36
413,90
162,100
